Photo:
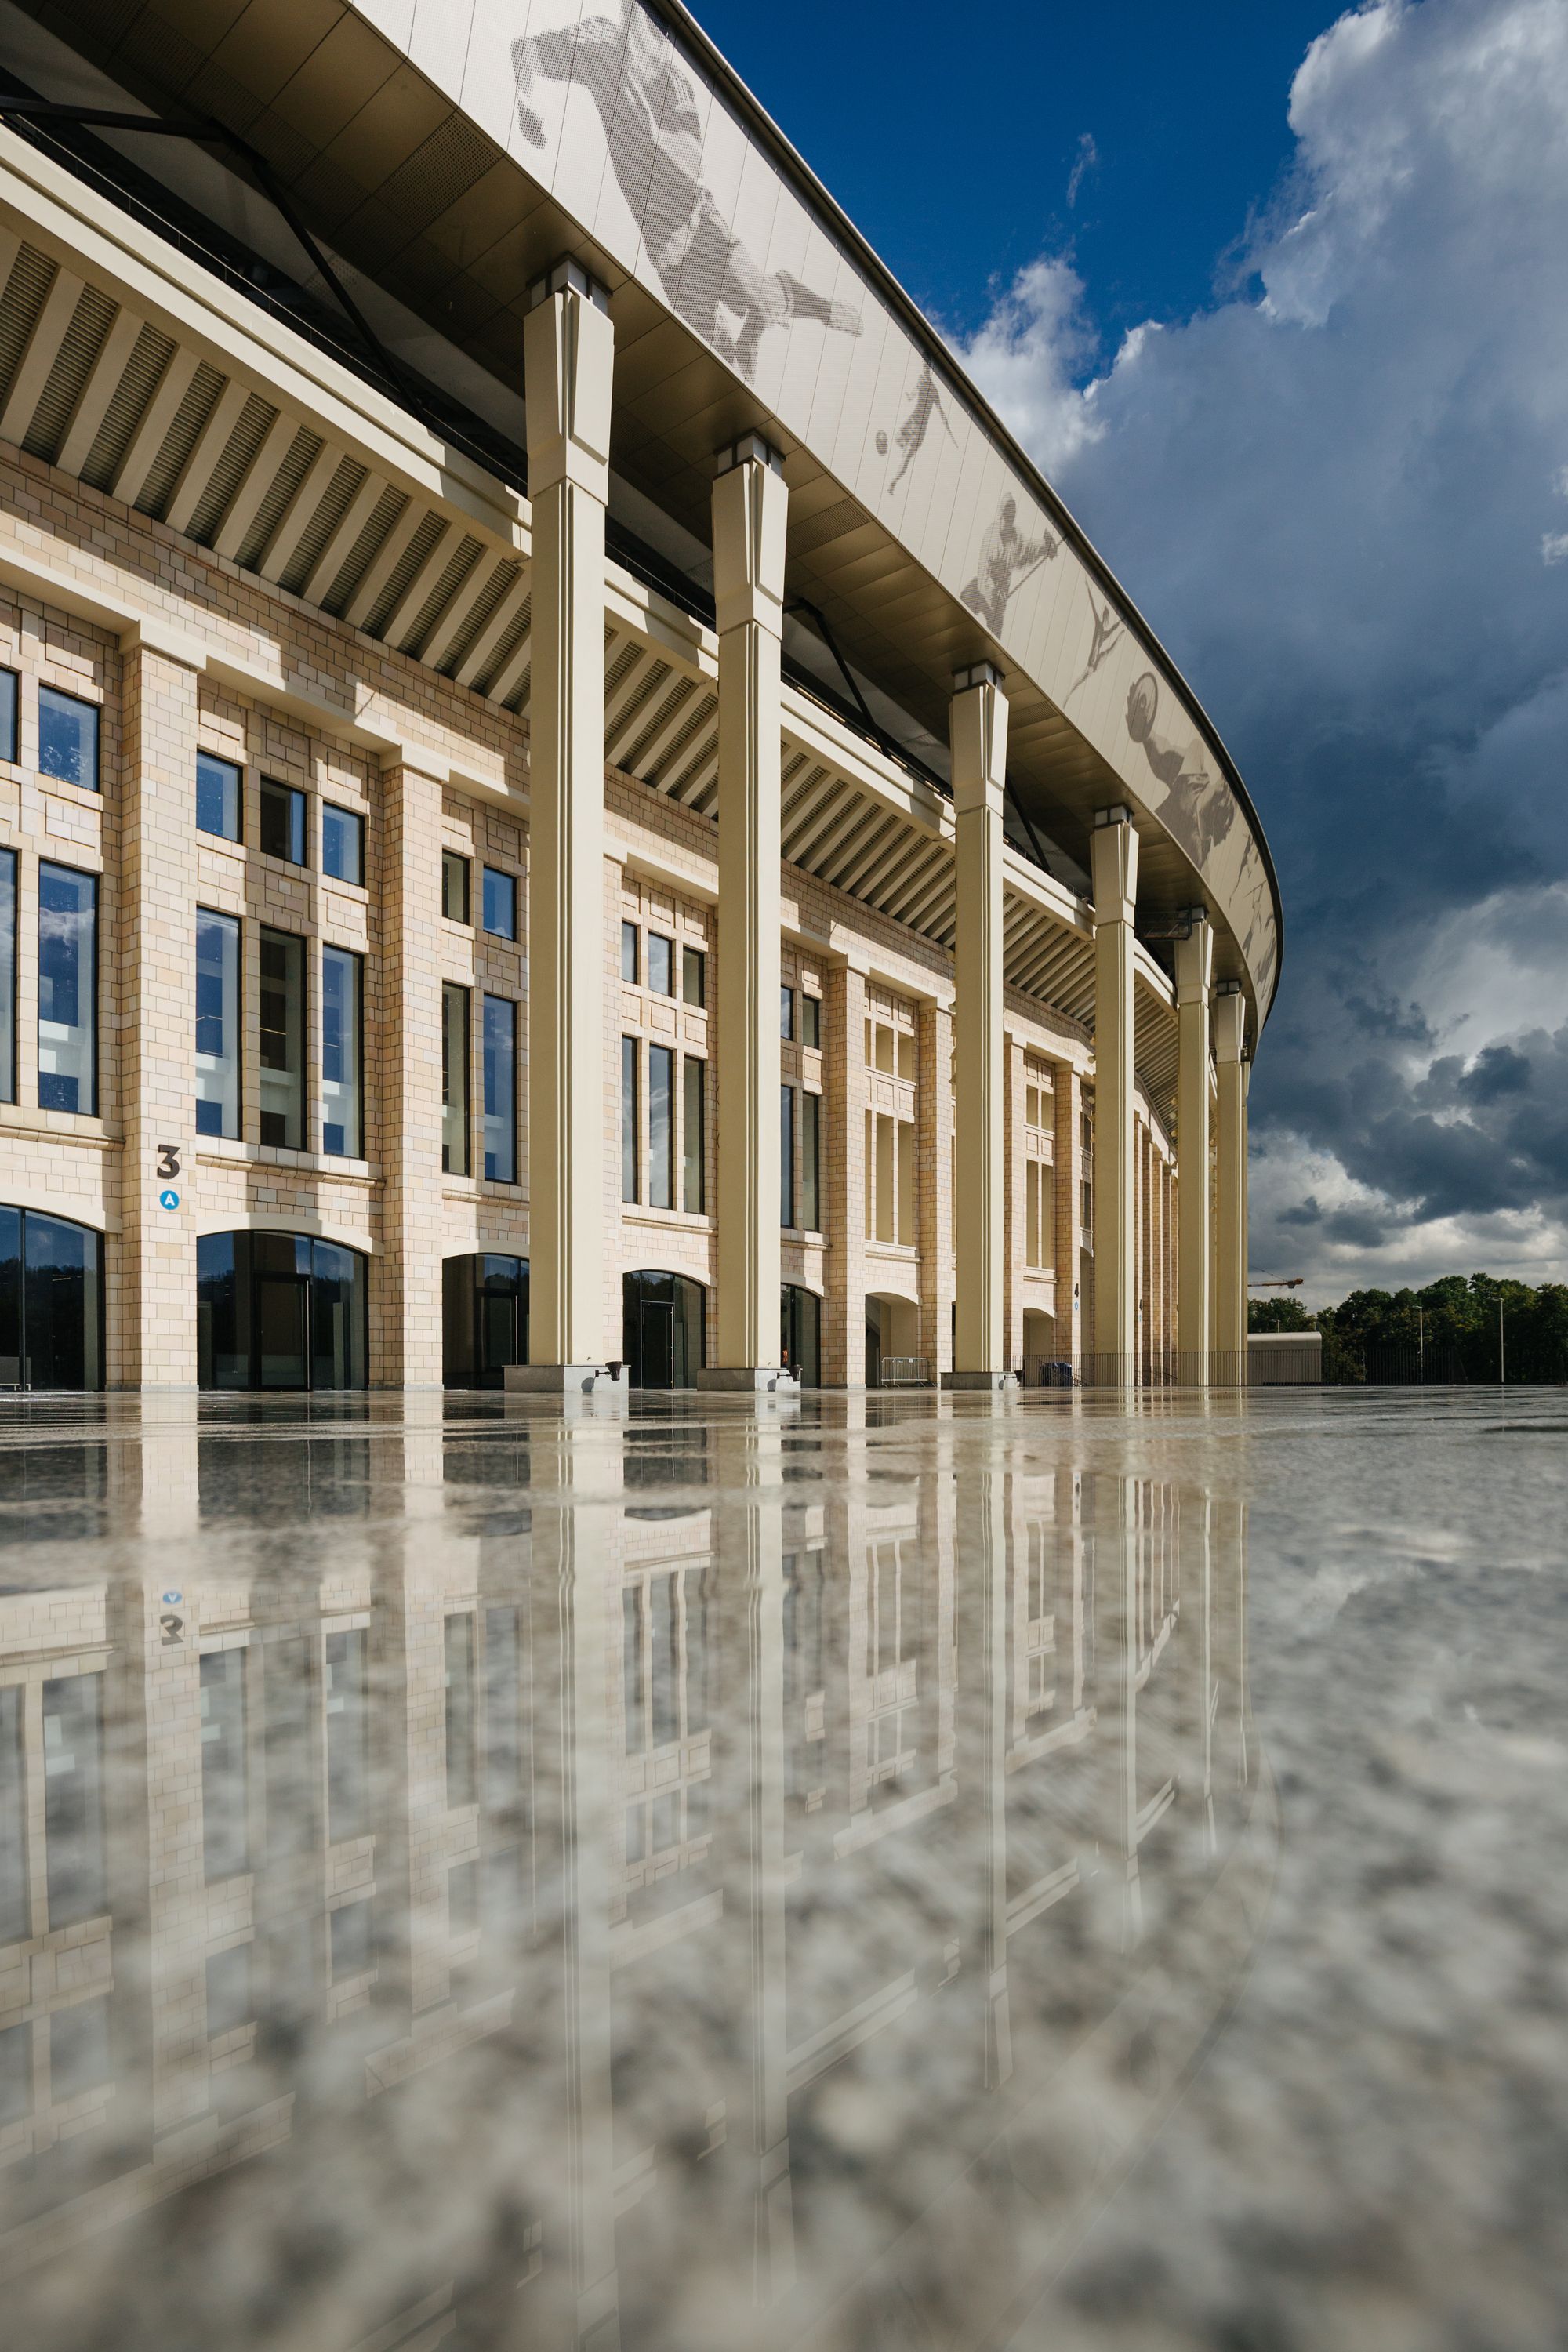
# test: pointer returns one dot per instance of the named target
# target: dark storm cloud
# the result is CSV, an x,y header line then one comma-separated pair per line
x,y
1342,492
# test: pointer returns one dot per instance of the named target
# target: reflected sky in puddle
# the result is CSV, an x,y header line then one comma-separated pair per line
x,y
725,1879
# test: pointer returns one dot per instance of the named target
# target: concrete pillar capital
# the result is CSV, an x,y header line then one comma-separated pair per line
x,y
750,516
1229,1023
568,350
1195,960
978,726
1113,859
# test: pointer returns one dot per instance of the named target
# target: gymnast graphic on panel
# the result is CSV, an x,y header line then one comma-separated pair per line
x,y
1107,629
653,133
1006,560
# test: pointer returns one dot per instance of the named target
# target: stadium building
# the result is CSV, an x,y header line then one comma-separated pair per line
x,y
573,808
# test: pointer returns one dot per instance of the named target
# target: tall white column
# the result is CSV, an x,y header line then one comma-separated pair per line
x,y
978,719
751,508
1115,876
1231,1220
1194,982
568,352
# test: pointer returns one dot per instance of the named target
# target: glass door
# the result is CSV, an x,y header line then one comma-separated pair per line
x,y
282,1328
657,1344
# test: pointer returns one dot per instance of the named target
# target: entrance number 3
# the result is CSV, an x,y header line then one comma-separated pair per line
x,y
168,1161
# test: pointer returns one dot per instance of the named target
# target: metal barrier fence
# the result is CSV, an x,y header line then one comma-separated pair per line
x,y
905,1372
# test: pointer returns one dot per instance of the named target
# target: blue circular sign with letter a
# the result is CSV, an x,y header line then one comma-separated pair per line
x,y
168,1200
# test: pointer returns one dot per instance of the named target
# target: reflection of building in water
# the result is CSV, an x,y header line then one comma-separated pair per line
x,y
526,1896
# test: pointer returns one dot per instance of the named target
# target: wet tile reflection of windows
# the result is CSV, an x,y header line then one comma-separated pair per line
x,y
225,1843
664,1458
459,1709
73,1799
16,1910
463,1898
350,1940
665,1679
290,1780
348,1762
503,1714
78,2050
806,1677
16,2074
53,1493
892,1665
228,1991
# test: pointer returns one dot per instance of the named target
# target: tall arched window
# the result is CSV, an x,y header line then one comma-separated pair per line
x,y
51,1302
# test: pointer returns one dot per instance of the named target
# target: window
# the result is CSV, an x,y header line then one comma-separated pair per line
x,y
693,1178
217,1023
346,1707
629,952
906,1054
500,1090
500,904
786,1013
454,1080
628,1118
810,1158
226,1842
350,1941
7,969
67,738
660,1121
218,797
8,699
342,1000
282,822
228,1991
786,1155
67,990
694,976
73,1800
660,964
459,1665
16,2067
342,843
454,887
78,2050
811,1021
283,1040
890,1178
1039,1193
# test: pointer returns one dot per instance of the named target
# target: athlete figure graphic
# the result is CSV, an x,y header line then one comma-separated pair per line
x,y
925,402
1200,810
652,132
1006,560
1107,627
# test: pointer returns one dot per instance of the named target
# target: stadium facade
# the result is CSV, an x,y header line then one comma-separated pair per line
x,y
572,809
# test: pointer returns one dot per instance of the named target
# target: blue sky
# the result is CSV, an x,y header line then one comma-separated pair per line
x,y
1295,349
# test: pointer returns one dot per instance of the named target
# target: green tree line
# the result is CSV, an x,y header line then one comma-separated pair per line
x,y
1448,1331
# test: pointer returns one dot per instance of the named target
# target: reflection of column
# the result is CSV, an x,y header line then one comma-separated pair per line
x,y
1194,975
1116,1680
405,1289
844,1320
1230,1243
979,728
151,1322
568,360
750,508
934,1161
1067,1189
756,2096
1115,861
981,1502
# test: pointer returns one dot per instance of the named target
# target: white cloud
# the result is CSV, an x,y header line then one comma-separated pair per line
x,y
1335,492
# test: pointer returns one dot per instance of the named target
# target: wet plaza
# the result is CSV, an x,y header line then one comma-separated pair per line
x,y
872,1874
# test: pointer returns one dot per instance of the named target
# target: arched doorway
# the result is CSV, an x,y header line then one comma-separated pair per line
x,y
51,1302
800,1333
892,1341
280,1311
664,1318
484,1320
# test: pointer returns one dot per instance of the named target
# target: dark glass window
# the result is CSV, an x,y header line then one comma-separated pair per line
x,y
282,822
786,1155
786,1013
500,1090
629,952
342,843
280,1311
218,801
73,1799
67,738
228,1991
67,990
811,1160
660,964
7,972
501,904
78,2050
801,1335
225,1840
660,1127
283,1007
9,699
350,1942
342,999
811,1020
347,1710
217,1023
15,2065
694,976
484,1318
454,1080
51,1303
460,1711
463,1898
628,1118
15,1909
693,1138
454,887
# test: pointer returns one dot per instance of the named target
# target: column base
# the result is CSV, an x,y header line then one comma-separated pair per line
x,y
567,1379
991,1383
752,1380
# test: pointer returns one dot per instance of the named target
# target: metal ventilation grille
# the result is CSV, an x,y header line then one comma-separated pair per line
x,y
83,341
303,451
150,356
436,173
201,398
341,493
363,551
402,572
27,290
255,421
